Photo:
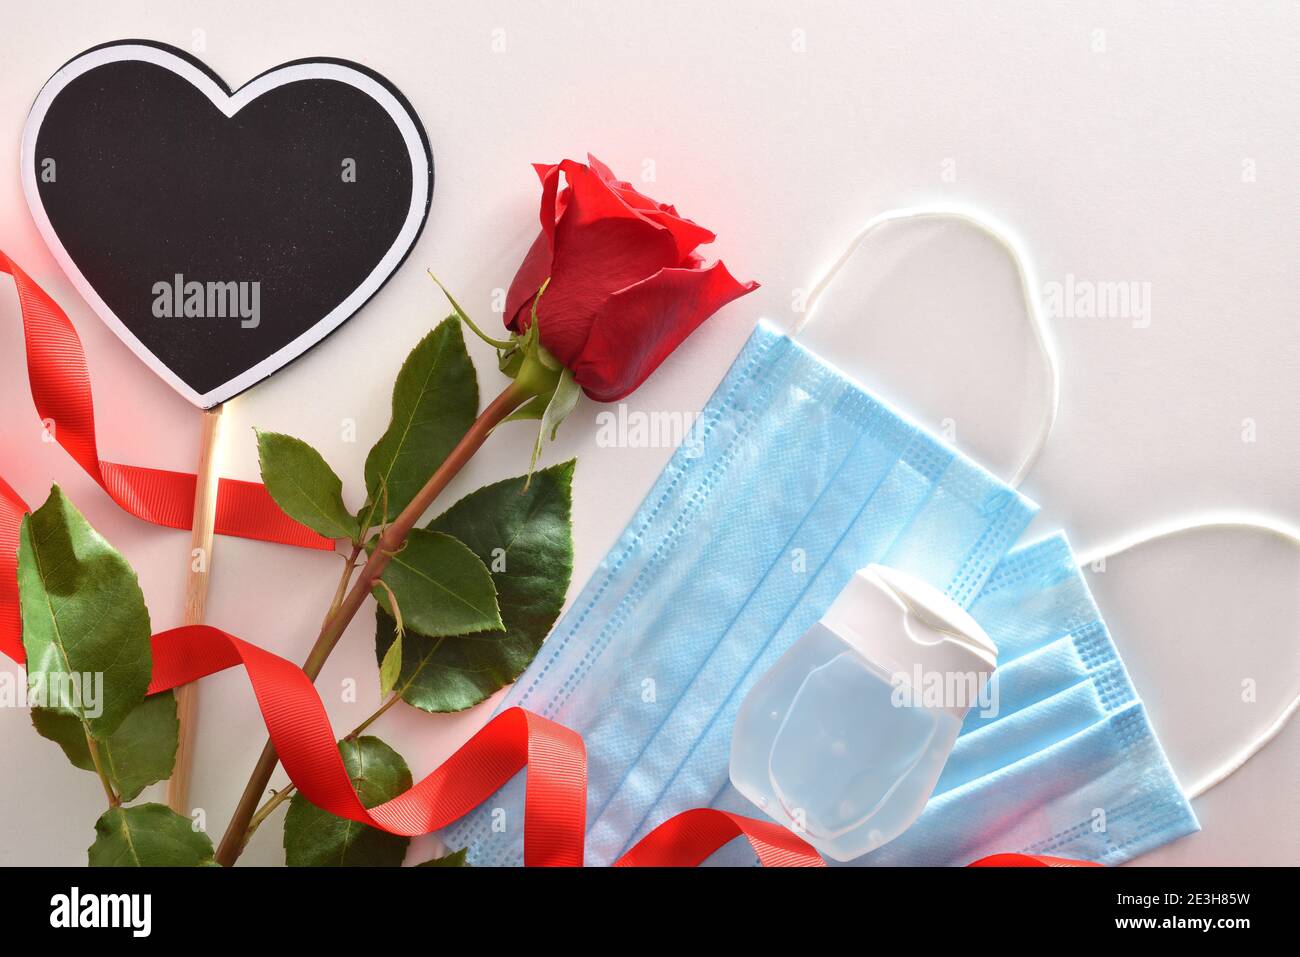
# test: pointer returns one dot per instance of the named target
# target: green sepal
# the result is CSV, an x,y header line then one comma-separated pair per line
x,y
562,402
533,409
461,314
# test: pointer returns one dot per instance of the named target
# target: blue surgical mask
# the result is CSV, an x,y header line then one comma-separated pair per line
x,y
794,478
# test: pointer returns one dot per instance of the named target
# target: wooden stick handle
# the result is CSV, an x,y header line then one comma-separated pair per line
x,y
196,597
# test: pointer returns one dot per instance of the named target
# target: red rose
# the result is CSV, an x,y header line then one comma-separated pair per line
x,y
626,283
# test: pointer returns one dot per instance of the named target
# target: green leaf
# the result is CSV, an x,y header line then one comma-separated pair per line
x,y
525,537
304,486
83,614
454,859
140,752
442,587
148,835
435,401
316,838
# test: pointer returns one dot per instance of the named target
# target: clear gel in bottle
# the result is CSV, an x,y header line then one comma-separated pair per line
x,y
843,739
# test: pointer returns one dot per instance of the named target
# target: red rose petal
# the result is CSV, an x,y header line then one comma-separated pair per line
x,y
523,288
601,170
549,214
593,260
687,234
593,196
640,326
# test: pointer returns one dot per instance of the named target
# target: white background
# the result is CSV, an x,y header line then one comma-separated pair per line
x,y
1117,142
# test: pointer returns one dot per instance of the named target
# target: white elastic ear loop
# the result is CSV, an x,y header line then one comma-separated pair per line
x,y
1028,286
1215,520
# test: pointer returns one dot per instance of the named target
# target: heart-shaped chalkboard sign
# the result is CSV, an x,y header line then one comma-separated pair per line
x,y
221,234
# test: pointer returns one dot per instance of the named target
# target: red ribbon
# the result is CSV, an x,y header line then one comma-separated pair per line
x,y
556,790
12,509
555,806
60,382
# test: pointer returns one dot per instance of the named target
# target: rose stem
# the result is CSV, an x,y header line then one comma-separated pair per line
x,y
390,540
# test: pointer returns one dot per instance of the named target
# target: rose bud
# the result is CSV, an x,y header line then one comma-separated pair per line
x,y
626,285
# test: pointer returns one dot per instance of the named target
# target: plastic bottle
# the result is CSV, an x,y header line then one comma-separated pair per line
x,y
843,739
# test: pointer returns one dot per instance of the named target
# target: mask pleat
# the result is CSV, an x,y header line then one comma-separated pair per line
x,y
1102,794
1031,678
1031,729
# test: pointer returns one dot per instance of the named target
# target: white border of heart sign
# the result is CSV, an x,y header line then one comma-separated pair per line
x,y
231,103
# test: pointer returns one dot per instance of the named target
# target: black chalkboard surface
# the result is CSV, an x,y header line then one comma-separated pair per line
x,y
223,233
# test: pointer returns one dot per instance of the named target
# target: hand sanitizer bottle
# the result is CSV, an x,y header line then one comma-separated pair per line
x,y
843,739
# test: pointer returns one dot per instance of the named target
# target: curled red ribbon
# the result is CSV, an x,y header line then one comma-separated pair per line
x,y
555,803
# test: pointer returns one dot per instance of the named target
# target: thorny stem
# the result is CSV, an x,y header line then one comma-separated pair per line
x,y
390,541
348,568
273,802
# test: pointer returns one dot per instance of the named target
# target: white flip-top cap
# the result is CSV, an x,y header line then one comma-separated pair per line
x,y
899,622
